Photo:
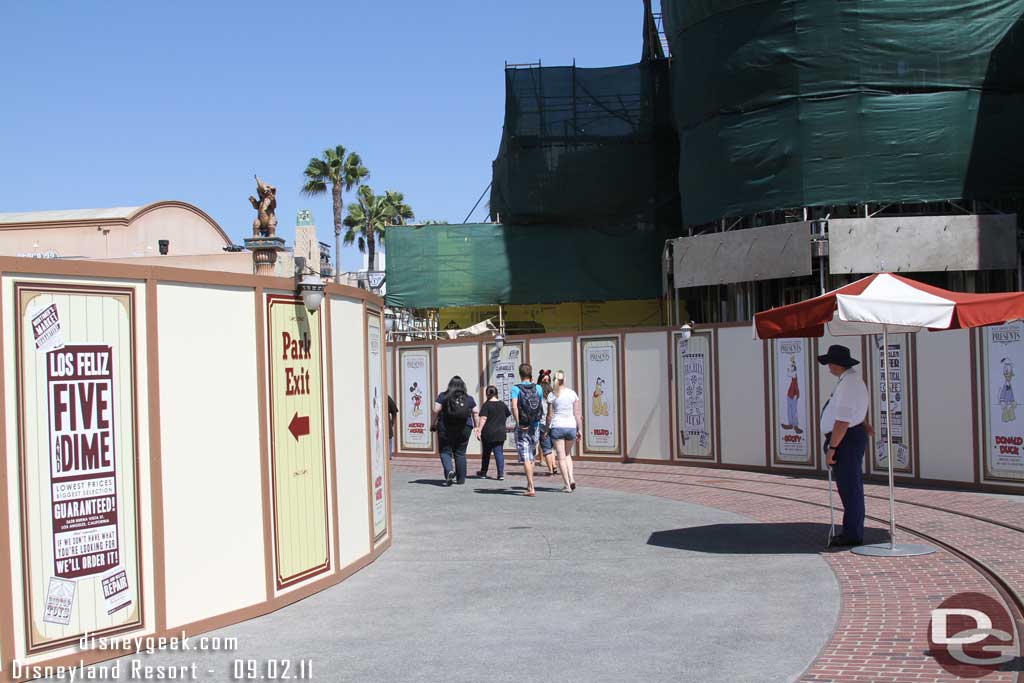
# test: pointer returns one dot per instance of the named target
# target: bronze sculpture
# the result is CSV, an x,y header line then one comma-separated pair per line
x,y
265,224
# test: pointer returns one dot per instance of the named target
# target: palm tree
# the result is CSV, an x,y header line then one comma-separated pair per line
x,y
342,171
403,212
365,221
369,216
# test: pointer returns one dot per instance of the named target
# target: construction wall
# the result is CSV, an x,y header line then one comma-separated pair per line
x,y
177,457
564,317
727,400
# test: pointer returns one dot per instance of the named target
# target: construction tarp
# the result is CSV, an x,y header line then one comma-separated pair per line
x,y
792,103
491,263
585,146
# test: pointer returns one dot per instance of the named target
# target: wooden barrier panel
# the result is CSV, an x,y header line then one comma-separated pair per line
x,y
648,418
201,460
153,419
728,400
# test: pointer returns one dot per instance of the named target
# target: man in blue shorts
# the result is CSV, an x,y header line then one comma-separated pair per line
x,y
527,409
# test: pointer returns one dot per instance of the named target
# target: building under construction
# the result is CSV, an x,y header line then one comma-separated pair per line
x,y
820,141
761,152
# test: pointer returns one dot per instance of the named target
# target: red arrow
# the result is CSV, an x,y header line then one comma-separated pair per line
x,y
299,426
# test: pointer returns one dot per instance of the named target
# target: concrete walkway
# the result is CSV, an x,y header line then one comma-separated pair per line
x,y
598,585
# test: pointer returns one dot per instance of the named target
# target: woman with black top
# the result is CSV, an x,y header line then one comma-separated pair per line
x,y
491,432
455,418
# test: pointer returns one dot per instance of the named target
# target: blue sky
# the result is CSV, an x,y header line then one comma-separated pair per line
x,y
123,103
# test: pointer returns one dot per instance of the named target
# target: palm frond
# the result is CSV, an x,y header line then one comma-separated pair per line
x,y
314,187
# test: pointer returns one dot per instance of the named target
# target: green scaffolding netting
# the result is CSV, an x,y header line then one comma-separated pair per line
x,y
489,263
790,103
587,145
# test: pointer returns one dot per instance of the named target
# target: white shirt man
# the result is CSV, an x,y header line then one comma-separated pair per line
x,y
848,403
844,424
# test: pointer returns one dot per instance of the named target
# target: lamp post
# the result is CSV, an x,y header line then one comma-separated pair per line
x,y
309,284
685,332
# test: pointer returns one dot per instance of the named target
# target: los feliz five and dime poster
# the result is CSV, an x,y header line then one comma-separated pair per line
x,y
601,395
891,394
298,465
503,374
1003,361
378,424
791,394
78,461
694,386
416,372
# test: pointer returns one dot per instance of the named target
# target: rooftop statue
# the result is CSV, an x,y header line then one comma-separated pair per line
x,y
265,224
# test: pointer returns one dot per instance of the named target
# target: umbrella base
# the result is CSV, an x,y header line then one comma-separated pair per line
x,y
899,550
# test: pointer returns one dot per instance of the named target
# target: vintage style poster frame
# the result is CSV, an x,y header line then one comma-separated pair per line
x,y
584,382
34,645
429,393
711,384
872,356
370,314
984,402
813,411
485,367
282,582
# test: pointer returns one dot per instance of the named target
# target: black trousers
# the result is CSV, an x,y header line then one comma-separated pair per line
x,y
850,480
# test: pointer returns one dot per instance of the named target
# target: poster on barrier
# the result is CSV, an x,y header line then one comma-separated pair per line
x,y
601,400
891,389
416,385
1002,357
78,460
694,381
378,423
502,371
791,400
298,462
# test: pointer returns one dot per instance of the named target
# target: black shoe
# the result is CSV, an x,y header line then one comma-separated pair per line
x,y
449,478
844,542
572,486
481,474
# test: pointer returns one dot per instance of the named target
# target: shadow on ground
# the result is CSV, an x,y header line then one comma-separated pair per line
x,y
516,491
753,539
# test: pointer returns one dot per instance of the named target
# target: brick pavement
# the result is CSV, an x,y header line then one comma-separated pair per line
x,y
881,634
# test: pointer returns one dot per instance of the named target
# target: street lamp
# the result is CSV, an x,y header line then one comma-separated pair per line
x,y
499,342
685,332
310,285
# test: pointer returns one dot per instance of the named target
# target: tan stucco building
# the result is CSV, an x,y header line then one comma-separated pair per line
x,y
128,234
125,231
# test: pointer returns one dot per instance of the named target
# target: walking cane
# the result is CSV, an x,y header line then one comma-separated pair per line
x,y
831,511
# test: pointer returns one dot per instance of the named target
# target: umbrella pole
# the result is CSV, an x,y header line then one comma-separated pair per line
x,y
891,549
888,436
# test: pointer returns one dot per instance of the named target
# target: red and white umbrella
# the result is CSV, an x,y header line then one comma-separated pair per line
x,y
880,304
885,302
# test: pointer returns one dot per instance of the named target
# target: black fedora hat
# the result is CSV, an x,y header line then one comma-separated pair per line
x,y
840,355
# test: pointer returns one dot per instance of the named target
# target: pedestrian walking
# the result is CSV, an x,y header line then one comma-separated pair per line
x,y
565,423
527,409
491,432
454,420
546,449
844,424
392,414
